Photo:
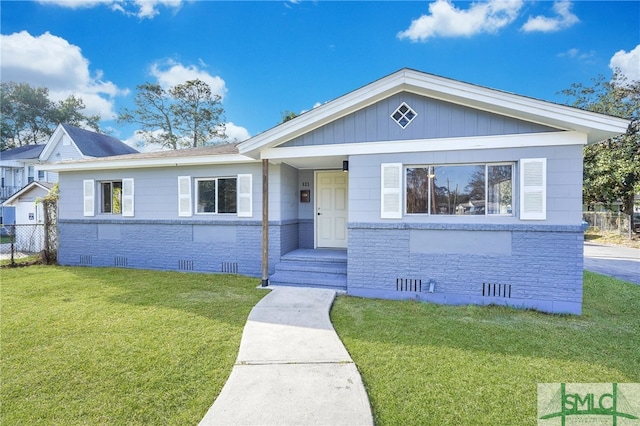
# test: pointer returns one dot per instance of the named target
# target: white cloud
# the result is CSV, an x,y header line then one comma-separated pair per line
x,y
628,62
170,73
236,133
578,54
446,20
140,8
50,61
564,19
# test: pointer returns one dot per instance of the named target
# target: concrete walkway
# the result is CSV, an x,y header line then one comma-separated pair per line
x,y
618,262
292,369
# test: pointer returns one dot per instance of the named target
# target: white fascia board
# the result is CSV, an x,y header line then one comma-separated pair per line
x,y
9,201
324,114
53,141
597,126
428,145
115,164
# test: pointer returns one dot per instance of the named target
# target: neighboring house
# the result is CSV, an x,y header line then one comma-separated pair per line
x,y
27,210
17,168
21,166
412,187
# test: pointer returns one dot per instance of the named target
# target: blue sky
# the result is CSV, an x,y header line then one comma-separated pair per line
x,y
271,56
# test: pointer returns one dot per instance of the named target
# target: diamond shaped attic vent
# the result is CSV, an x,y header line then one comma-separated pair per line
x,y
403,115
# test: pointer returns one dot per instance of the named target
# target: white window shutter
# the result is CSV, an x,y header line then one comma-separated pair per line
x,y
391,191
127,197
184,196
245,195
88,190
533,188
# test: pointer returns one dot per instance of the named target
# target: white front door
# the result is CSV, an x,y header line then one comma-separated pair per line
x,y
331,209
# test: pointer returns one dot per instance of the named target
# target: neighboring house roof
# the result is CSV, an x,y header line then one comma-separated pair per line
x,y
26,189
89,144
27,152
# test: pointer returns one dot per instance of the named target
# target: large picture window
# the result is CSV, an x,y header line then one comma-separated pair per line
x,y
216,195
476,189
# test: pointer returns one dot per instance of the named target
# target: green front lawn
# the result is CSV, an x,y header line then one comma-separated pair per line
x,y
118,346
446,365
115,346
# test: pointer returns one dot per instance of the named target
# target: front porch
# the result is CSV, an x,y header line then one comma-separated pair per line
x,y
319,268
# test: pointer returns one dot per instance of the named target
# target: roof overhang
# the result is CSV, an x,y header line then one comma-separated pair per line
x,y
331,156
27,188
597,127
130,162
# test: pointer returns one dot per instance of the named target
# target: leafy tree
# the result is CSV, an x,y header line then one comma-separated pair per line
x,y
187,114
28,116
611,167
287,116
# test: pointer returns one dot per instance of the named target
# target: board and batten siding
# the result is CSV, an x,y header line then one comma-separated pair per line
x,y
435,119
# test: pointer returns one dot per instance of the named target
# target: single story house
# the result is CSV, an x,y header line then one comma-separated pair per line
x,y
21,166
412,187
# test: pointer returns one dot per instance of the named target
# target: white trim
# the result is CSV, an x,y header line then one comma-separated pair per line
x,y
596,126
113,163
55,140
27,188
428,145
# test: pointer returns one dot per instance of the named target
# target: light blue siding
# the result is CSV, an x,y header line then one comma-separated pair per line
x,y
564,182
435,119
65,152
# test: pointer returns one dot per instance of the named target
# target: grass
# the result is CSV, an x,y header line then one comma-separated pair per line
x,y
115,346
446,365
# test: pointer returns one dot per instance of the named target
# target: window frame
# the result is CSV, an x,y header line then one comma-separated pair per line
x,y
102,200
430,174
217,195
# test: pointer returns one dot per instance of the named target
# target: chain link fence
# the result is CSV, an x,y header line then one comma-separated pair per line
x,y
613,222
18,241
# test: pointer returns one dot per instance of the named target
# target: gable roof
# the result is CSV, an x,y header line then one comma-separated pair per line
x,y
26,189
27,152
88,143
595,126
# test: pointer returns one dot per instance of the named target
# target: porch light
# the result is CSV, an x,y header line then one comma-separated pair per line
x,y
345,165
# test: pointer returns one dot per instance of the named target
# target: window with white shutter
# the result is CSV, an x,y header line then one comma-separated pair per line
x,y
127,197
391,191
533,188
245,198
89,197
184,196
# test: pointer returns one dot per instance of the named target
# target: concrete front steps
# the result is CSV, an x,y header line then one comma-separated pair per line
x,y
322,268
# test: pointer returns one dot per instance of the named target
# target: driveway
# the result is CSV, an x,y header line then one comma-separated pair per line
x,y
618,262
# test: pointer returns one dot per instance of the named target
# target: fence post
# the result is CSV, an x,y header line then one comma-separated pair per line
x,y
12,238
